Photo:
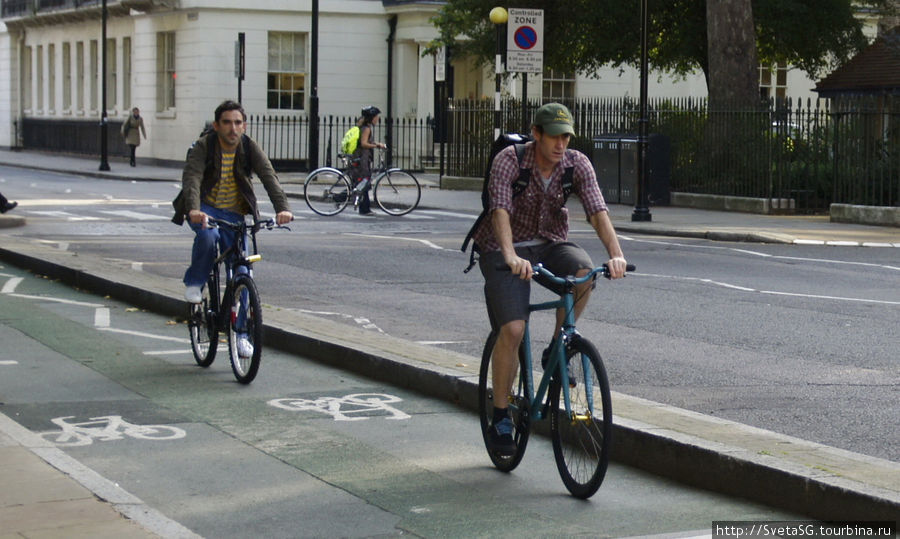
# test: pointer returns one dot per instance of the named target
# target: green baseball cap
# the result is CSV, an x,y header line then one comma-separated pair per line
x,y
555,118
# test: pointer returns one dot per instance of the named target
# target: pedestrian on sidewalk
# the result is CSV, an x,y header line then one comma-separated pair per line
x,y
6,205
363,154
130,133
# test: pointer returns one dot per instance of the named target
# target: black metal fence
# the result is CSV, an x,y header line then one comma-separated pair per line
x,y
286,140
844,150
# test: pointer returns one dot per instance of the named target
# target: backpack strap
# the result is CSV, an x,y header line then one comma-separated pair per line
x,y
518,187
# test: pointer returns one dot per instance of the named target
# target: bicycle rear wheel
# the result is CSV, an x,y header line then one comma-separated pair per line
x,y
518,407
202,327
581,441
397,192
245,298
327,191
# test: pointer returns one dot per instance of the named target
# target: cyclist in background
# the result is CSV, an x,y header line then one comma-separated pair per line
x,y
533,228
363,153
220,187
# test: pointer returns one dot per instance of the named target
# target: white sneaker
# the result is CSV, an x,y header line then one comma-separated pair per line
x,y
193,294
245,349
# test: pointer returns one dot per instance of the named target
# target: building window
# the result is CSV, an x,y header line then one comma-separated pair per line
x,y
27,74
165,71
126,73
67,76
51,77
79,75
94,76
111,71
40,77
773,81
287,71
558,86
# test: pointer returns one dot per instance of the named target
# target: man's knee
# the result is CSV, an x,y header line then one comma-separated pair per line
x,y
513,331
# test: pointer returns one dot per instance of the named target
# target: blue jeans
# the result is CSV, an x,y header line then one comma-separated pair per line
x,y
203,255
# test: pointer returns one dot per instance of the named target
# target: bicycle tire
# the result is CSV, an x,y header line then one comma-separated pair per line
x,y
245,368
518,406
397,192
202,327
581,443
327,191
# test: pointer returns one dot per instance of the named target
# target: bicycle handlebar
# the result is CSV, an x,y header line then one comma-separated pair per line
x,y
549,275
268,224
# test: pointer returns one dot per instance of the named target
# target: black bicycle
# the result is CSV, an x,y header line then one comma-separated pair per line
x,y
237,310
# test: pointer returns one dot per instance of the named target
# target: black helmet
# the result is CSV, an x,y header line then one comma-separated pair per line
x,y
371,111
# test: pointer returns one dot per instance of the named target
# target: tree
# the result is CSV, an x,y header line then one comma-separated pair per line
x,y
584,35
731,74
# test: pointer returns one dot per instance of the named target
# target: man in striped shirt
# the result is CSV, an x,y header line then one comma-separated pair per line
x,y
221,188
533,228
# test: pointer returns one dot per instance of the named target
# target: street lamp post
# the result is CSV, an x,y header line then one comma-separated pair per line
x,y
641,207
498,17
104,121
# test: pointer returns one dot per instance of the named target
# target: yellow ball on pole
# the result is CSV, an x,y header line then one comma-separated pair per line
x,y
499,15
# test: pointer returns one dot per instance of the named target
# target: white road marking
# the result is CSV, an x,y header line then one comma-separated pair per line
x,y
135,215
449,214
101,317
770,292
10,286
401,238
58,300
66,215
147,335
8,362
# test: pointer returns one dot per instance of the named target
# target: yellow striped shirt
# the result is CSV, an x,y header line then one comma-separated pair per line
x,y
225,195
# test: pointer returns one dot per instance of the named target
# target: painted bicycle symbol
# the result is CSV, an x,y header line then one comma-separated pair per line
x,y
106,429
346,408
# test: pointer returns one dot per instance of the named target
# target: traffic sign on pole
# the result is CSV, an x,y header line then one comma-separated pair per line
x,y
525,41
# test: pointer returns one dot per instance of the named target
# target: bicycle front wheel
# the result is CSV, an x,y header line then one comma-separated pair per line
x,y
581,439
327,191
517,403
245,329
397,192
202,328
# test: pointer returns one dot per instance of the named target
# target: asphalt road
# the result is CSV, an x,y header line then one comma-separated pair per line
x,y
797,339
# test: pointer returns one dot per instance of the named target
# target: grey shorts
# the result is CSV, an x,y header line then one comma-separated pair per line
x,y
507,295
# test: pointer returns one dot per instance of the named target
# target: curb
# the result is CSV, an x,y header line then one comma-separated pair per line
x,y
654,437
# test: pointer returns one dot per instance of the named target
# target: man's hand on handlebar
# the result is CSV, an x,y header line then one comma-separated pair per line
x,y
616,266
520,266
198,217
283,217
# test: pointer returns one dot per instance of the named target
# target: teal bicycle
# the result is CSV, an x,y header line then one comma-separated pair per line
x,y
573,393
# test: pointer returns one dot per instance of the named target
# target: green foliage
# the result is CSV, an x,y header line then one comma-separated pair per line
x,y
582,35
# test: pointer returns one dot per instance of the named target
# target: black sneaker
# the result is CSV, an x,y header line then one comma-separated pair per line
x,y
501,438
8,206
545,357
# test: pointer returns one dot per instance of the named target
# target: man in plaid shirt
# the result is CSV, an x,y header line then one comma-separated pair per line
x,y
533,228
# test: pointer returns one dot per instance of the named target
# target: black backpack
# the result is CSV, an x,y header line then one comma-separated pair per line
x,y
518,186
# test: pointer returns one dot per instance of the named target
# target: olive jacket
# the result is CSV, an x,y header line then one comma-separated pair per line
x,y
130,127
199,177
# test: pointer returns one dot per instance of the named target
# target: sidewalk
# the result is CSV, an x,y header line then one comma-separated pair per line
x,y
45,491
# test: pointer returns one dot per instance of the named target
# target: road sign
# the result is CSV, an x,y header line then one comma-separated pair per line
x,y
525,41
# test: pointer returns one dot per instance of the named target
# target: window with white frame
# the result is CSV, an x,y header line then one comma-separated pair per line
x,y
94,76
67,76
27,74
165,71
79,75
126,73
111,74
287,71
773,81
558,86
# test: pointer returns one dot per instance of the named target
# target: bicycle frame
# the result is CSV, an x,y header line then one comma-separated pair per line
x,y
220,304
555,362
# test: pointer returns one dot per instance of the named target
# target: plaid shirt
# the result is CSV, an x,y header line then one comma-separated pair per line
x,y
536,213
